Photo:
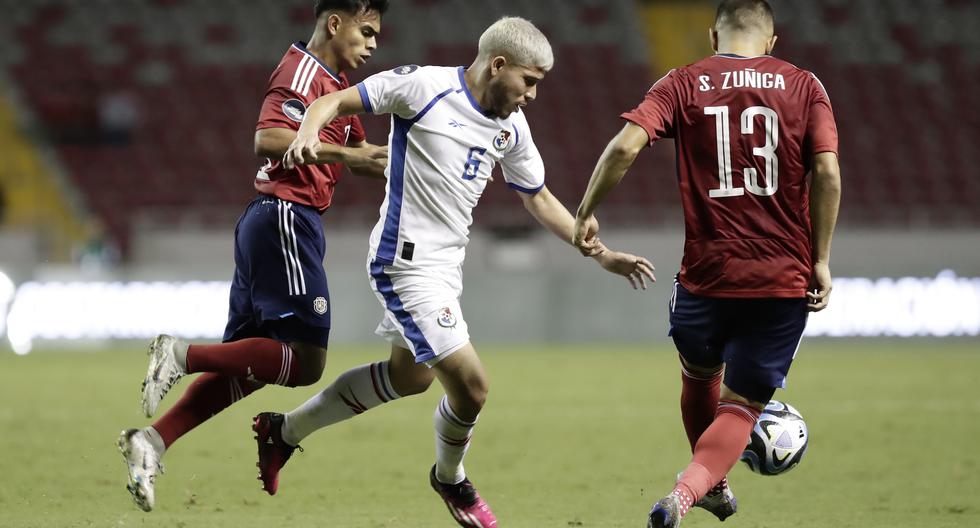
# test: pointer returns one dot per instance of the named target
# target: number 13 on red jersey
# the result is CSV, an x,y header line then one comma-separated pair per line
x,y
767,152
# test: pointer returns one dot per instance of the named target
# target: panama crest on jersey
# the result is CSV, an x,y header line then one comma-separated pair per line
x,y
502,140
446,318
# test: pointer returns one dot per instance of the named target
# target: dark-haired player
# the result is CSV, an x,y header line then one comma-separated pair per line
x,y
279,308
748,129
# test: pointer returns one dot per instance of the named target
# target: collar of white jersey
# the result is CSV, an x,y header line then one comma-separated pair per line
x,y
469,95
301,46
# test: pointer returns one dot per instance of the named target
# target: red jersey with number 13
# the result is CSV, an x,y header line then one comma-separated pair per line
x,y
746,130
299,80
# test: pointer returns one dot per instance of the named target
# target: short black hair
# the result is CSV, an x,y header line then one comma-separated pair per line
x,y
742,15
354,7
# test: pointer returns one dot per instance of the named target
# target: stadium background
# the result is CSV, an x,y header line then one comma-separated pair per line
x,y
126,138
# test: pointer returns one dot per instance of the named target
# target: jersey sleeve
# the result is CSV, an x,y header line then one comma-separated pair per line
x,y
657,110
281,108
522,166
357,134
821,128
399,91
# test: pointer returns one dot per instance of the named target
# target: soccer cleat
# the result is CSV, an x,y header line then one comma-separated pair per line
x,y
144,465
464,503
273,450
163,372
720,501
666,513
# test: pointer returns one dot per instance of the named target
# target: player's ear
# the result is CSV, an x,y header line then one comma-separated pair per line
x,y
333,24
496,64
713,38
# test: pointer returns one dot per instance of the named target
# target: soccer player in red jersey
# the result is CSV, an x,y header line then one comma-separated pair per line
x,y
748,128
279,307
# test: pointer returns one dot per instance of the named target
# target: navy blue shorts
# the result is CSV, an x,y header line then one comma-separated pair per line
x,y
756,339
279,289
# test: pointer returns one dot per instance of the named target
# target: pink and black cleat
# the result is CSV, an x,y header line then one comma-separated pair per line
x,y
273,451
464,503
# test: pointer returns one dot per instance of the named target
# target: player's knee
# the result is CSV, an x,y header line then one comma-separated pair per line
x,y
476,394
307,377
701,371
412,386
310,362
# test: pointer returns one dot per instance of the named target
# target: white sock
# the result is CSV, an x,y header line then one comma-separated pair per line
x,y
353,392
452,442
155,439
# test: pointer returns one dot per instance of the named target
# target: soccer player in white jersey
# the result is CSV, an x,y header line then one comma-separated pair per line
x,y
450,126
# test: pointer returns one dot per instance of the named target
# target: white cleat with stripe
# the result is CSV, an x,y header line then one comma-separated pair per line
x,y
163,372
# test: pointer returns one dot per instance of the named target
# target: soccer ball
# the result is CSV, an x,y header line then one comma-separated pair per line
x,y
778,441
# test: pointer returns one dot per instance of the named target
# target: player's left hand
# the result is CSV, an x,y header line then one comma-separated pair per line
x,y
302,151
636,269
584,236
821,284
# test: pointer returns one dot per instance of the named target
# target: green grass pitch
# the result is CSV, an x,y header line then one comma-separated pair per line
x,y
571,437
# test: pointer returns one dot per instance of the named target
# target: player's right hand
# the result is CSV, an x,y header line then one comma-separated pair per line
x,y
820,285
302,151
584,235
369,157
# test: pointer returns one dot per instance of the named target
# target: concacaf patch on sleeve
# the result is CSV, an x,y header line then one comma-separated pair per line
x,y
406,69
294,109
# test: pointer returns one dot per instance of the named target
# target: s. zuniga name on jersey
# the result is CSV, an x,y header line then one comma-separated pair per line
x,y
747,78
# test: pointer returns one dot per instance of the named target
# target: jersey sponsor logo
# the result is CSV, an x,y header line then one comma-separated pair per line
x,y
502,140
405,70
446,318
294,109
320,305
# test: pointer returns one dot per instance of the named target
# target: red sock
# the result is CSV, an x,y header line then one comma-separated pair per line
x,y
716,451
699,401
206,396
258,358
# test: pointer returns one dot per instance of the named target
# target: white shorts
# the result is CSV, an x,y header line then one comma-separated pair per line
x,y
422,310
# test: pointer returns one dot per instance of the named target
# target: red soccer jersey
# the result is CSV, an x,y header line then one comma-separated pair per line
x,y
298,80
746,130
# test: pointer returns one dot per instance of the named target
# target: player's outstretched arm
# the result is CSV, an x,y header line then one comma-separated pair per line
x,y
273,143
368,161
305,148
825,192
612,165
549,212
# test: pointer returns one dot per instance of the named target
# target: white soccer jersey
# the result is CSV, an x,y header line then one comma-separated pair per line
x,y
442,149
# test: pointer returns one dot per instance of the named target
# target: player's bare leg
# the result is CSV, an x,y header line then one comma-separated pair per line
x,y
352,393
463,378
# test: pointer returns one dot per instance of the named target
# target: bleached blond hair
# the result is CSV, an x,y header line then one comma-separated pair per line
x,y
519,41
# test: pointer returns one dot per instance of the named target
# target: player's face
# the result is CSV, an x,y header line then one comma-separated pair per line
x,y
356,38
512,87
